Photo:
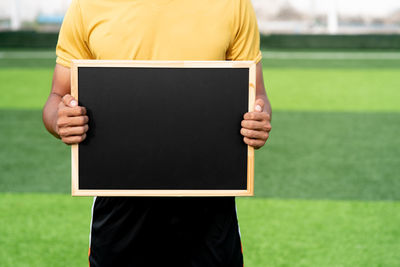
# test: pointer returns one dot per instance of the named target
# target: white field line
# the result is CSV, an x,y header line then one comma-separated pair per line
x,y
27,55
268,55
332,55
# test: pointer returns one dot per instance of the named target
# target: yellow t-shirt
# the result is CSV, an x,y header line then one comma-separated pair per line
x,y
159,30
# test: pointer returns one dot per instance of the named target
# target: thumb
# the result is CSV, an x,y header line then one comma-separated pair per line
x,y
259,105
69,101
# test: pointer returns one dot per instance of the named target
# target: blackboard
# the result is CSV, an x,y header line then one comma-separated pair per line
x,y
163,128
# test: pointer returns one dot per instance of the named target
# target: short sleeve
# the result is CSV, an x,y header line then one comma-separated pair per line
x,y
245,41
72,42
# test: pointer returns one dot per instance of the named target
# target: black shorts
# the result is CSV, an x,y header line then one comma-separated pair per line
x,y
149,231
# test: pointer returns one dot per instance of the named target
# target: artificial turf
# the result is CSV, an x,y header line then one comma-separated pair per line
x,y
24,88
333,89
317,233
31,160
310,155
289,89
53,230
44,230
340,142
326,183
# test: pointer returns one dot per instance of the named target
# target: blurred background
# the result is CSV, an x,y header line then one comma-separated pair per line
x,y
275,16
327,183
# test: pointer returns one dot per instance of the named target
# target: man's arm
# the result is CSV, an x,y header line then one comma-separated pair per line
x,y
260,90
256,125
62,116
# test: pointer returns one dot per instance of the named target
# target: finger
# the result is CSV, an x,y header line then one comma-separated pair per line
x,y
256,143
61,105
256,125
70,131
71,140
259,105
72,121
257,116
72,112
254,134
69,101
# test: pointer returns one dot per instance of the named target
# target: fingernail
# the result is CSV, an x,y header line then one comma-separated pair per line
x,y
73,103
258,108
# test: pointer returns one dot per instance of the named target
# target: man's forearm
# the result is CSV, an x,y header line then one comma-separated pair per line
x,y
260,89
267,107
50,114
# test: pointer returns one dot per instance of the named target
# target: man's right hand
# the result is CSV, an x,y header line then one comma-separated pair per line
x,y
72,122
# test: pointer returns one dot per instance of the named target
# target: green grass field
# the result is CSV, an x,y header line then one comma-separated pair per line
x,y
327,183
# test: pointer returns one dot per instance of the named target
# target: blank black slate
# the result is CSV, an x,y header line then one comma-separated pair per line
x,y
163,128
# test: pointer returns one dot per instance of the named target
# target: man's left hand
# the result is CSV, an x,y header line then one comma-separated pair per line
x,y
256,126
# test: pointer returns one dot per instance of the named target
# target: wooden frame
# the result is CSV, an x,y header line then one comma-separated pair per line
x,y
167,64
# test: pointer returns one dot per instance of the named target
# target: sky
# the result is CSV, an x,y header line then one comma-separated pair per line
x,y
351,7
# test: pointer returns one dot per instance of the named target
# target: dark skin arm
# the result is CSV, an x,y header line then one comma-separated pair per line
x,y
66,120
256,125
62,116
